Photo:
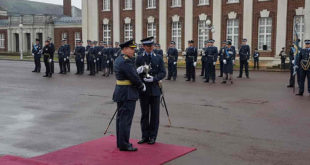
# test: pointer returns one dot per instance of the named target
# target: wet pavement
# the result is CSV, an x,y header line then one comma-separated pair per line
x,y
254,121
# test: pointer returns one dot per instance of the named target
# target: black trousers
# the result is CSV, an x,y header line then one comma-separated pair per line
x,y
292,77
111,64
256,63
48,66
67,64
282,63
87,62
37,64
98,64
62,65
203,68
79,65
92,66
190,70
245,64
172,70
221,67
150,116
210,71
303,75
124,118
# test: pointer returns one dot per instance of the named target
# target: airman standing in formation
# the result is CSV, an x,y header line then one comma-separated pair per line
x,y
221,54
172,55
211,54
245,54
79,53
191,61
61,57
229,61
36,53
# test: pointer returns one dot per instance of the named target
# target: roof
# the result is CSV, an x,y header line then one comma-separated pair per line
x,y
68,20
25,7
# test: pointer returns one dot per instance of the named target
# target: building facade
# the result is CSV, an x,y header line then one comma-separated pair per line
x,y
268,25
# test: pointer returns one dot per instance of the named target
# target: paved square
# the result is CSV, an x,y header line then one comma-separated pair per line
x,y
256,121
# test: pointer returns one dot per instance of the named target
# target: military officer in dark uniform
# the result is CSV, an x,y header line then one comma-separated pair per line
x,y
303,62
111,58
172,55
256,59
191,61
126,93
61,57
79,53
159,51
48,58
245,54
150,100
221,54
53,51
203,59
101,52
87,54
283,58
211,54
67,56
229,61
36,53
292,61
92,59
140,50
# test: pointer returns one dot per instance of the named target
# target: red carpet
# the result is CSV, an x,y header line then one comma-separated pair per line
x,y
104,152
13,160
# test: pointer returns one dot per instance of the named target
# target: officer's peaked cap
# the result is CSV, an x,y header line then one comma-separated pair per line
x,y
130,43
148,41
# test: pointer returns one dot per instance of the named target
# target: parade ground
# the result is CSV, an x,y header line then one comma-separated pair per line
x,y
256,121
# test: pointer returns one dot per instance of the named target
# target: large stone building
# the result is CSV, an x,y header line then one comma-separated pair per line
x,y
22,21
267,24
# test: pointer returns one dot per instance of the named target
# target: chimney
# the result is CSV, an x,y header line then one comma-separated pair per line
x,y
67,8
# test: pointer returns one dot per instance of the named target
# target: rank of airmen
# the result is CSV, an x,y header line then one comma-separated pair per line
x,y
99,57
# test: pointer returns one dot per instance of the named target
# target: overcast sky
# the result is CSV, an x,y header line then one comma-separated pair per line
x,y
76,3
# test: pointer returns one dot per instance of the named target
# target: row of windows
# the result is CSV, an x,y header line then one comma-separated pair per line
x,y
2,39
77,36
232,31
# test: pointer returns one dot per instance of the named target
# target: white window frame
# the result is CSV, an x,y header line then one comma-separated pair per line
x,y
300,28
203,2
151,4
176,34
106,33
203,34
128,32
176,3
151,30
128,5
232,1
233,27
77,36
106,5
2,40
264,37
64,35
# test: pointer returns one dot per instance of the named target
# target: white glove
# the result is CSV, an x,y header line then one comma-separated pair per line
x,y
99,53
295,67
233,61
183,53
86,52
175,63
108,61
94,60
214,63
293,61
149,79
248,61
98,59
140,69
82,60
144,88
225,62
32,54
49,60
195,63
65,59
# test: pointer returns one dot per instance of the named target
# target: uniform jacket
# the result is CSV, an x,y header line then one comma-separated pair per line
x,y
221,53
256,55
116,52
172,55
244,52
36,50
191,54
48,50
124,69
211,54
61,52
157,70
79,52
230,54
67,50
303,57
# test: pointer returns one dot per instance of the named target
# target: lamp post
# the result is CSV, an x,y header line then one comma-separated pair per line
x,y
21,38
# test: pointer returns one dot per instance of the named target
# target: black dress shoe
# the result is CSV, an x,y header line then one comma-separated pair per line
x,y
187,80
45,76
152,141
34,71
129,149
168,79
223,82
299,94
220,76
206,81
239,77
290,86
143,141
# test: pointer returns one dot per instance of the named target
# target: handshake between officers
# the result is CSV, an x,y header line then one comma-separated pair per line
x,y
137,82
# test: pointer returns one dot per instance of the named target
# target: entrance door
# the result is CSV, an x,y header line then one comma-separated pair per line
x,y
17,42
28,39
40,37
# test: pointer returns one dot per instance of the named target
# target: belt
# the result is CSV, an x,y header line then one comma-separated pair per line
x,y
123,82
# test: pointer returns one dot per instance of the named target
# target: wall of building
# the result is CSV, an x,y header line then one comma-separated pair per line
x,y
108,15
5,49
70,36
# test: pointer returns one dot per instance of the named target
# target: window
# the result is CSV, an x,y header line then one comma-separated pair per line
x,y
299,28
77,36
151,30
233,31
177,34
203,34
203,2
176,3
106,5
128,4
128,32
232,1
151,4
2,39
107,33
264,33
64,36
